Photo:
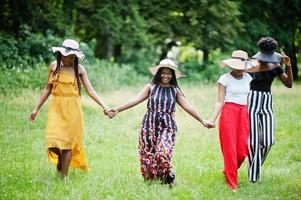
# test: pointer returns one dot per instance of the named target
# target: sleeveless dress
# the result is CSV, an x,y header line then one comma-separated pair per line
x,y
158,132
65,123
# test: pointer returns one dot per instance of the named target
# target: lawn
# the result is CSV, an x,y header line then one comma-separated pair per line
x,y
111,151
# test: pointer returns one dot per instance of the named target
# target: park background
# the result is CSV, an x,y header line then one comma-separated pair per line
x,y
121,40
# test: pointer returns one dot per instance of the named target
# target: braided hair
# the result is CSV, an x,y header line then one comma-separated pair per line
x,y
75,67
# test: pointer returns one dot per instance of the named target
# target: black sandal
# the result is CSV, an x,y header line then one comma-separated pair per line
x,y
169,179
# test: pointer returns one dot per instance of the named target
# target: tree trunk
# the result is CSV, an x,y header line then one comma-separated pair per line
x,y
117,51
104,47
206,56
293,58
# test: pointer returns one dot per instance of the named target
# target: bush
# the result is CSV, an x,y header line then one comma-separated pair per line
x,y
15,80
198,71
105,75
28,49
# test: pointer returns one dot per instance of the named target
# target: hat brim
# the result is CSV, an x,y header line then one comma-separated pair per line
x,y
269,58
238,64
155,69
65,52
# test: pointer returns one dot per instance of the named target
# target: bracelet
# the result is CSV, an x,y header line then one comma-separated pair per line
x,y
105,108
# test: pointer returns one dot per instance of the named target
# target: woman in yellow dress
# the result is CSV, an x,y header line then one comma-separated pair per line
x,y
64,130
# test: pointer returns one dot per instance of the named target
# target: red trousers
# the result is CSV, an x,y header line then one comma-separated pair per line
x,y
233,134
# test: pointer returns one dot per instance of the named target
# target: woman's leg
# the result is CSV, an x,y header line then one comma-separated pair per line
x,y
227,134
57,151
66,159
242,136
254,157
148,163
267,127
165,147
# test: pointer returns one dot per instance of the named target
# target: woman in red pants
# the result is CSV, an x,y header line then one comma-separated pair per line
x,y
233,89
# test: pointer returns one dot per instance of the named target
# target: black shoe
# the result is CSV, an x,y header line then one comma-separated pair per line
x,y
169,179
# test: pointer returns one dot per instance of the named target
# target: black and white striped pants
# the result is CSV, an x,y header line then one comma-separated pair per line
x,y
262,126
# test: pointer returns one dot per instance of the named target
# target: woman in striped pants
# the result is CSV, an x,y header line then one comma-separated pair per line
x,y
262,123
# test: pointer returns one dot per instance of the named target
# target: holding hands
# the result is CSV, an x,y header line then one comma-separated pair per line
x,y
209,124
110,112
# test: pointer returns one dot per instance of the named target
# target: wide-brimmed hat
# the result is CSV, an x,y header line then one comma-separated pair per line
x,y
239,60
269,57
169,64
69,47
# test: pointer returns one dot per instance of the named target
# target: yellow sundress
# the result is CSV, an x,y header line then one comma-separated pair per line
x,y
65,122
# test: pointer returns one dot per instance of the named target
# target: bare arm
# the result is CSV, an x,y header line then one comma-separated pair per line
x,y
44,97
220,102
287,79
141,96
182,101
90,90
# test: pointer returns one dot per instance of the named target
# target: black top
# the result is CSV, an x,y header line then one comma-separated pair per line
x,y
262,81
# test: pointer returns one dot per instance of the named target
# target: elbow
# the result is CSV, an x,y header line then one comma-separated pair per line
x,y
289,85
90,92
220,103
47,91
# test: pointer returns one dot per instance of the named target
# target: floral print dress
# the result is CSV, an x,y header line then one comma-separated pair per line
x,y
158,132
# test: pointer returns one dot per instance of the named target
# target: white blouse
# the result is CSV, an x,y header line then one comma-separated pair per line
x,y
237,90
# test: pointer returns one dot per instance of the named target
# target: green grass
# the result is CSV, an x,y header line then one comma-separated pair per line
x,y
111,151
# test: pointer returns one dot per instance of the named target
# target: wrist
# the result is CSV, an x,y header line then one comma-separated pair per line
x,y
105,108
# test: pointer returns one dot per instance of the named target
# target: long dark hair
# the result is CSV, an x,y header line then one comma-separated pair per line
x,y
75,67
157,78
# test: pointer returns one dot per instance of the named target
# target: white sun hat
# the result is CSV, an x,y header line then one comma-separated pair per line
x,y
169,64
69,47
239,60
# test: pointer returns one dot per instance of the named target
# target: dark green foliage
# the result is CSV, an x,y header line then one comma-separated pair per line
x,y
278,19
139,33
28,49
15,80
204,72
103,75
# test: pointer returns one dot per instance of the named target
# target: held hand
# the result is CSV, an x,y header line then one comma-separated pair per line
x,y
110,112
209,124
286,60
107,112
33,115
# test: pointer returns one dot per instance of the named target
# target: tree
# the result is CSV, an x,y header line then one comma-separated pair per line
x,y
280,20
207,25
38,15
114,25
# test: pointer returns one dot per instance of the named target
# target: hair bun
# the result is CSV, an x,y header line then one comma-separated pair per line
x,y
267,44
